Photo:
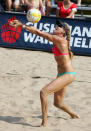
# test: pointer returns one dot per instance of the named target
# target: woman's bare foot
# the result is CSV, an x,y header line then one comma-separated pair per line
x,y
43,124
74,116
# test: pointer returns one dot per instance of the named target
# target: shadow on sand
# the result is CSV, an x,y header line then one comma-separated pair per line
x,y
21,121
17,120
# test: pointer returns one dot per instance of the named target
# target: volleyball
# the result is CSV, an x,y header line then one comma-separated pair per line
x,y
33,15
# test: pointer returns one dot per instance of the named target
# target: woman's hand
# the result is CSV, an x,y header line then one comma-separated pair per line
x,y
15,23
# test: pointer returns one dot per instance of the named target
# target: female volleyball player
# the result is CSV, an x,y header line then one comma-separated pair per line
x,y
63,57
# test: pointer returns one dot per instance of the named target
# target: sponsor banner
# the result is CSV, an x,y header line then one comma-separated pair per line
x,y
19,38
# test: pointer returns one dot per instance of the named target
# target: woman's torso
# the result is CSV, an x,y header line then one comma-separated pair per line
x,y
64,62
64,65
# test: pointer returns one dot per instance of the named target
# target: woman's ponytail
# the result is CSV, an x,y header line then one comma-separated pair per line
x,y
68,37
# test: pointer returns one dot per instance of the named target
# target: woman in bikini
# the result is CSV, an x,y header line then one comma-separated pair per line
x,y
63,57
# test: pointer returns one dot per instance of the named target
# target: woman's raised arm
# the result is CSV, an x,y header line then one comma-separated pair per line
x,y
16,23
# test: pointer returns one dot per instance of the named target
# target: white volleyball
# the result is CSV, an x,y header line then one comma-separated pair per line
x,y
33,15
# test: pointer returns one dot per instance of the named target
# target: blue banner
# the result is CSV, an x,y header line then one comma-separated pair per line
x,y
19,38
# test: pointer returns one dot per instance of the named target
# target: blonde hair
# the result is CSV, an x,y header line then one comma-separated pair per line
x,y
68,36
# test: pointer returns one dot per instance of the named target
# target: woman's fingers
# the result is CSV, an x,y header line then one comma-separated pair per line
x,y
14,23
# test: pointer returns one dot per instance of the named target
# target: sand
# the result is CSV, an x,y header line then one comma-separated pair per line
x,y
22,75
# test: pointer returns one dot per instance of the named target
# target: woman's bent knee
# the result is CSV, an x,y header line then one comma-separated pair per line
x,y
56,104
43,92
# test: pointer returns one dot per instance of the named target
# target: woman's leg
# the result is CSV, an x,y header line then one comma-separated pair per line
x,y
9,4
58,102
17,5
44,106
52,87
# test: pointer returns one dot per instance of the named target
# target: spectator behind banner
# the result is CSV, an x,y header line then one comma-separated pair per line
x,y
66,9
37,4
14,4
9,4
48,7
18,6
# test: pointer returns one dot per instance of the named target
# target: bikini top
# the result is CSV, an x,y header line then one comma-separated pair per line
x,y
57,52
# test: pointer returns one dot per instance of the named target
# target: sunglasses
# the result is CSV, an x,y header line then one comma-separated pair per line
x,y
60,24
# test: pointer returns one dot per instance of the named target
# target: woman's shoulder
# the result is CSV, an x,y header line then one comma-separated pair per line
x,y
58,40
73,5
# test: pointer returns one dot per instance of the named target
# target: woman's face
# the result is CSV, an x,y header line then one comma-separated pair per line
x,y
58,30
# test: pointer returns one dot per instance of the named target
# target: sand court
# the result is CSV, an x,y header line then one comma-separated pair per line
x,y
22,75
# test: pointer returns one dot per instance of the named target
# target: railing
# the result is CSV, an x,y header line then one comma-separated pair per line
x,y
84,8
